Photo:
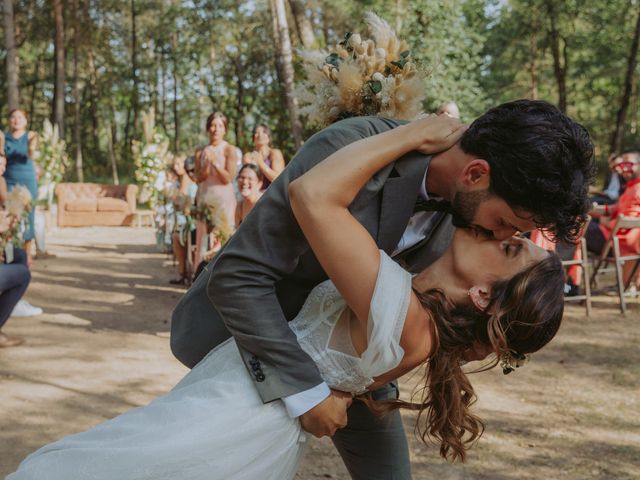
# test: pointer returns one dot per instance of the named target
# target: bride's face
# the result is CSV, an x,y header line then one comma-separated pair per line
x,y
478,261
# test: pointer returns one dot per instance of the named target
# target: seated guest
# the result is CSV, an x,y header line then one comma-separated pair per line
x,y
628,204
268,159
249,181
14,280
614,183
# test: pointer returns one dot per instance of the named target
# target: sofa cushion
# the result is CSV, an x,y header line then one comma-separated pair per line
x,y
108,204
82,205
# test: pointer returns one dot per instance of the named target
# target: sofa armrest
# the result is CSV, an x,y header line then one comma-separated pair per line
x,y
61,194
131,194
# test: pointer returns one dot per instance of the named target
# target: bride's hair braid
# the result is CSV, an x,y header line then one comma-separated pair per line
x,y
526,312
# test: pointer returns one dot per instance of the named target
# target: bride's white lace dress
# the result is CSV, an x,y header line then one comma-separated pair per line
x,y
213,424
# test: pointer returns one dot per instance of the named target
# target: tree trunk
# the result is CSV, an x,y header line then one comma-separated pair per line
x,y
76,93
276,42
533,66
239,123
58,91
134,73
303,24
400,12
559,70
176,119
286,59
13,94
163,85
34,87
112,139
616,136
93,77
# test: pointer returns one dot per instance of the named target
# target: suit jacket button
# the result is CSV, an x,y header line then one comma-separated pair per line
x,y
255,367
260,377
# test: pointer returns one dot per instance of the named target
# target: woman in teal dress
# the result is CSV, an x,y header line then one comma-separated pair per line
x,y
19,145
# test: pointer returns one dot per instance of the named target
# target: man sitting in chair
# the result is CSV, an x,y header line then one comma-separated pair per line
x,y
628,205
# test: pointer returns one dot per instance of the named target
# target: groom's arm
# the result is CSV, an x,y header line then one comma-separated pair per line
x,y
266,248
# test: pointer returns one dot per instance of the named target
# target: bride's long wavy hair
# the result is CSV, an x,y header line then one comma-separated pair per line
x,y
524,315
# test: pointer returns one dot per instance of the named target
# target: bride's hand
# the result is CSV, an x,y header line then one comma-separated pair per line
x,y
436,133
328,416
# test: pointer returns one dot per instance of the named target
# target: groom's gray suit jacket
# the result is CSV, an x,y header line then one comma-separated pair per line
x,y
264,273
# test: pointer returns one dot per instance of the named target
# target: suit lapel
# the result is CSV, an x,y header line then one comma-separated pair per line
x,y
399,196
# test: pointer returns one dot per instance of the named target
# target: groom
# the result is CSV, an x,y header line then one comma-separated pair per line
x,y
519,166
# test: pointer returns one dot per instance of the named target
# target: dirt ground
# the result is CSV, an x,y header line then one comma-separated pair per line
x,y
101,348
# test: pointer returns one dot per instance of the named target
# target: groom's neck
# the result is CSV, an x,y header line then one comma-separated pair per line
x,y
444,171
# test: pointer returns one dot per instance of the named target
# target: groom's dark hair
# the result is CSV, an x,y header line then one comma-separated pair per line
x,y
541,162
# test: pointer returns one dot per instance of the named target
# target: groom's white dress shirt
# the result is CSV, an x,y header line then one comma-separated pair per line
x,y
419,223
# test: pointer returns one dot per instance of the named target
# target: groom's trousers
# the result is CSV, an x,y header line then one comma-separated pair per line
x,y
373,447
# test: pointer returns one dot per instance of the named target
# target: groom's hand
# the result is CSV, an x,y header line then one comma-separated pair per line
x,y
328,416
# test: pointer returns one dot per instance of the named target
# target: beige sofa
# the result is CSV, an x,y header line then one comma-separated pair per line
x,y
87,204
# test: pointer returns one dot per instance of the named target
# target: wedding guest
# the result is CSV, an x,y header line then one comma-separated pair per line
x,y
268,159
250,182
185,183
614,183
19,147
188,188
3,182
215,170
19,308
449,108
629,205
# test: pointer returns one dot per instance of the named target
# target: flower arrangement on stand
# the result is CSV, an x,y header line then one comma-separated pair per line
x,y
53,159
18,205
362,76
151,156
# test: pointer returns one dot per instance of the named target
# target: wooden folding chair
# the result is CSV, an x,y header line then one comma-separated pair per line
x,y
618,261
580,259
583,263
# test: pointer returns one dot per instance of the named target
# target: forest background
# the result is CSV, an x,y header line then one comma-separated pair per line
x,y
94,66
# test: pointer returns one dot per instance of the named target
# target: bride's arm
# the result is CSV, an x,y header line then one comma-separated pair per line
x,y
320,199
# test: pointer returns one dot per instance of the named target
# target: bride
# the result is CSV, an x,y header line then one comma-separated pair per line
x,y
370,323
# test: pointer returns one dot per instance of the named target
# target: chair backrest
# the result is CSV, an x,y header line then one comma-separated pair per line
x,y
625,221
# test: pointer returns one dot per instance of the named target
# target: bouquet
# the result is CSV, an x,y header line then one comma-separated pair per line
x,y
210,212
18,206
362,76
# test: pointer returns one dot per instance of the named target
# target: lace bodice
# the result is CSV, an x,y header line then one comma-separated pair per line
x,y
324,335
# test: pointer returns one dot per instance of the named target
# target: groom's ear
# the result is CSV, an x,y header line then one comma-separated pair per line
x,y
480,297
476,174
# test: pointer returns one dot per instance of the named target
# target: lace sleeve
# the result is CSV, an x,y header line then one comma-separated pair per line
x,y
389,306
